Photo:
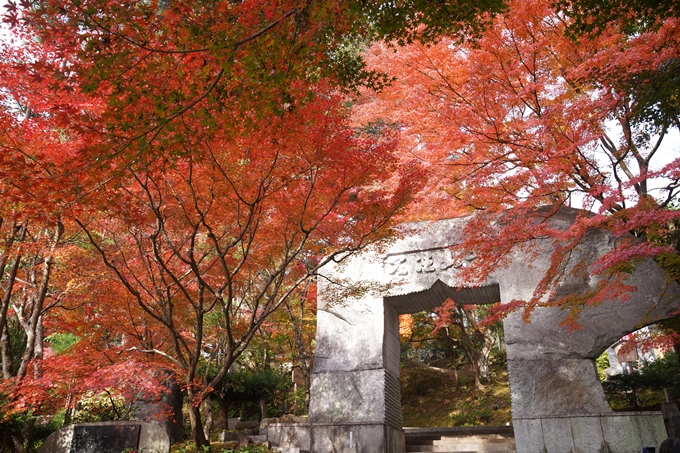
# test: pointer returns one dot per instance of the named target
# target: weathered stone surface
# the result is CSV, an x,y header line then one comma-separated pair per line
x,y
165,411
587,434
244,442
335,438
620,434
544,387
231,422
104,438
359,392
151,438
623,432
552,370
259,439
557,437
226,436
249,424
650,428
529,436
291,436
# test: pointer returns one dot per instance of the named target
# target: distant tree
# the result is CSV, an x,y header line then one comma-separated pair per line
x,y
465,326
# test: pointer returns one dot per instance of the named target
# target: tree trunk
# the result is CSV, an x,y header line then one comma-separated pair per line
x,y
263,409
6,355
5,346
196,427
207,409
38,302
223,415
38,354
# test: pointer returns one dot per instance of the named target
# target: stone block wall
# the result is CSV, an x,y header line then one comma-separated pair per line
x,y
335,437
623,432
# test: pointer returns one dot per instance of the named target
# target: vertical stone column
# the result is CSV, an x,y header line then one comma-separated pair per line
x,y
354,392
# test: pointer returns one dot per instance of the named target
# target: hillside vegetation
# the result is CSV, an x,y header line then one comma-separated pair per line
x,y
430,397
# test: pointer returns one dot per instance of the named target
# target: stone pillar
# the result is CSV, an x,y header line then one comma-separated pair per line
x,y
554,385
355,383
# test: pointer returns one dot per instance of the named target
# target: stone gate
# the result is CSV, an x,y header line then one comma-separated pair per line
x,y
558,404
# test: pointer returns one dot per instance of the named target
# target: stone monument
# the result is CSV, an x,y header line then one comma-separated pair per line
x,y
107,437
558,404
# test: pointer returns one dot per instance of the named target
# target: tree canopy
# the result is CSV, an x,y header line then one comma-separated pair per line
x,y
528,119
172,173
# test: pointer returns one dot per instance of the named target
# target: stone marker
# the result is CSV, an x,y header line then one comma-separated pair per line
x,y
104,438
107,437
164,410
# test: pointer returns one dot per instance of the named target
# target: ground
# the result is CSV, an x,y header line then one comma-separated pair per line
x,y
429,397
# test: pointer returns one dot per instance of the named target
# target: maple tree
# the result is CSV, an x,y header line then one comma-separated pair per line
x,y
203,150
212,245
591,16
530,119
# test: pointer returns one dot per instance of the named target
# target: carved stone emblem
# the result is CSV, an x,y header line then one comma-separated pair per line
x,y
424,262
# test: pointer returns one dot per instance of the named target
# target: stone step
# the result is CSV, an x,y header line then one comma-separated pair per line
x,y
460,440
441,449
462,448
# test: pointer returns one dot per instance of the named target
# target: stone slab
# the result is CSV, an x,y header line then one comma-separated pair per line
x,y
231,422
621,434
529,436
650,428
587,433
291,435
557,436
104,438
335,438
357,396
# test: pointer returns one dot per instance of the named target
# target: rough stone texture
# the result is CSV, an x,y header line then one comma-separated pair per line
x,y
228,436
327,437
249,424
152,438
552,370
625,432
259,439
291,435
651,430
557,437
545,387
587,434
231,422
529,436
620,434
165,411
359,392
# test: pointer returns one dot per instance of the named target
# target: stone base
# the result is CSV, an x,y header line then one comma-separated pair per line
x,y
623,432
331,438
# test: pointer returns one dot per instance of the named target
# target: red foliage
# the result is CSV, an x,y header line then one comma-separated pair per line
x,y
528,120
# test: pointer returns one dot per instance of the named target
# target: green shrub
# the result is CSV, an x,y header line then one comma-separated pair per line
x,y
644,388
